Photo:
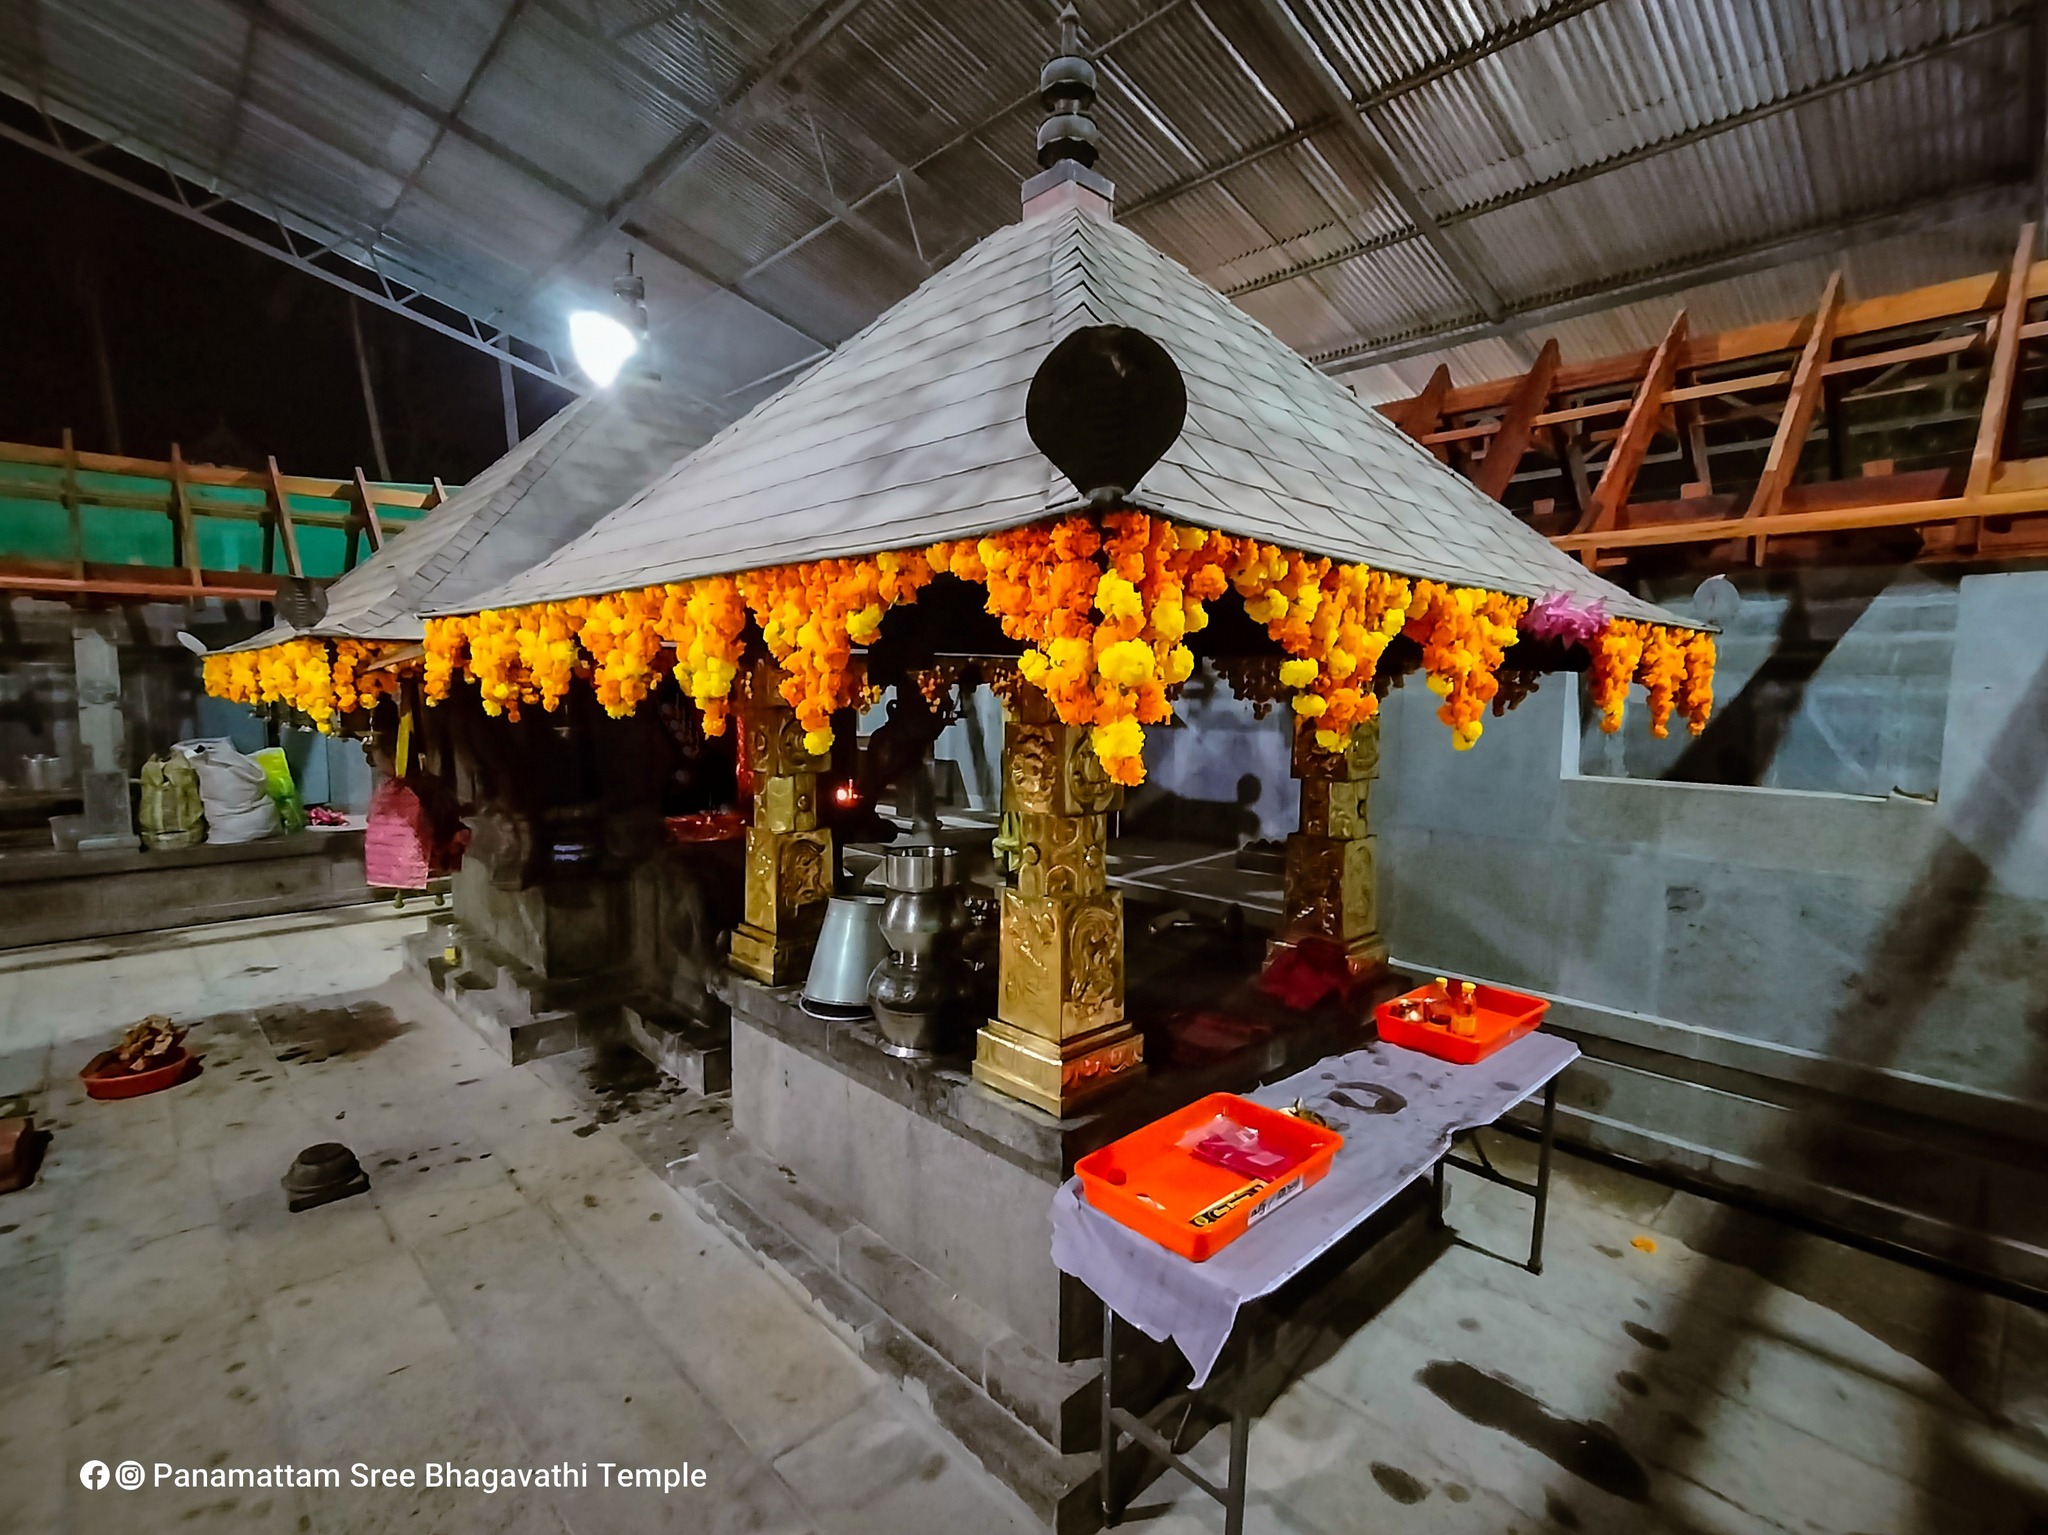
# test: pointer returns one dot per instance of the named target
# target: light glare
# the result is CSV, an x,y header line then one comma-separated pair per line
x,y
602,345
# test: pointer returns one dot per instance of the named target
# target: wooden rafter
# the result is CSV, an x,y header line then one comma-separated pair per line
x,y
1518,425
74,515
185,527
1790,439
1998,387
1645,411
1984,507
1418,416
186,494
282,501
368,504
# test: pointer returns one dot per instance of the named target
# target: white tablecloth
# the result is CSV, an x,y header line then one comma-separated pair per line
x,y
1397,1110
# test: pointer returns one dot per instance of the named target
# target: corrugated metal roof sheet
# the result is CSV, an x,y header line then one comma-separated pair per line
x,y
914,431
505,130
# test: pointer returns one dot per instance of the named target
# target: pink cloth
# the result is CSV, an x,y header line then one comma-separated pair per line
x,y
398,844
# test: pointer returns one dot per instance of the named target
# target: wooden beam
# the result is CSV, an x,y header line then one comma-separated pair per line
x,y
1419,414
184,529
1645,411
371,521
1504,453
2005,356
73,513
440,494
1790,439
1851,519
1938,301
1866,362
283,500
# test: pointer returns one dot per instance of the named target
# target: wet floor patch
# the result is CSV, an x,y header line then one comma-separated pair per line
x,y
1398,1484
618,1082
310,1035
1589,1451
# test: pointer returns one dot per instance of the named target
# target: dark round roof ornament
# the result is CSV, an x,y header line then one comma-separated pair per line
x,y
1104,406
1066,87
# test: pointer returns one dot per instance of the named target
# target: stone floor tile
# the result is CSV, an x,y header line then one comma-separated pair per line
x,y
275,1248
699,1293
881,1474
334,1336
145,1292
200,1395
36,1476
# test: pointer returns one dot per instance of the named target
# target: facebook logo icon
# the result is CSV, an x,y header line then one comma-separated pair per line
x,y
94,1474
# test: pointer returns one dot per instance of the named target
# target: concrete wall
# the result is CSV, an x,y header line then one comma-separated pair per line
x,y
1835,1000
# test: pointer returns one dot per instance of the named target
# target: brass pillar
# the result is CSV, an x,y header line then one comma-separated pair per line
x,y
1331,895
789,855
1059,1037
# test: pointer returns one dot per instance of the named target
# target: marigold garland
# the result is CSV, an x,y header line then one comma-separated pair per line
x,y
322,679
1673,665
1103,609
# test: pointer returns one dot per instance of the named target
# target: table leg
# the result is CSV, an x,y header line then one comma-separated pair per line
x,y
1107,1475
1543,1175
1240,1453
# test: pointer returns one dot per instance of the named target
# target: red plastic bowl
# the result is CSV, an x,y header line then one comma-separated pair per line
x,y
103,1082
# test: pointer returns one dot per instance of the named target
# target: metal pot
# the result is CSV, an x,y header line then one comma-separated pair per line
x,y
850,945
912,987
42,774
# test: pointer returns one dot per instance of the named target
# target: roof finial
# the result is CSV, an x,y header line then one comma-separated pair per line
x,y
1067,88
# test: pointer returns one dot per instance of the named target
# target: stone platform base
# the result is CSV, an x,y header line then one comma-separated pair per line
x,y
912,1203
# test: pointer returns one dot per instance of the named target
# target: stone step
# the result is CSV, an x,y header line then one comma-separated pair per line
x,y
1059,1489
698,1055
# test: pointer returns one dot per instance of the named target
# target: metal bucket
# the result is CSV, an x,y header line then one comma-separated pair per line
x,y
850,945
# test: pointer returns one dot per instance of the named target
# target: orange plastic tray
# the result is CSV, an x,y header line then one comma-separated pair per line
x,y
1146,1182
1503,1017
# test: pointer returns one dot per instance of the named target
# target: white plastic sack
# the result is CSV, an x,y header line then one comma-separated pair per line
x,y
234,790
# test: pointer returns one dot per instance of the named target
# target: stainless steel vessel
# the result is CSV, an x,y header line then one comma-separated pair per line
x,y
912,988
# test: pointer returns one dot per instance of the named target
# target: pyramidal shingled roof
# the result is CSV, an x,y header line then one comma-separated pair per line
x,y
559,480
913,431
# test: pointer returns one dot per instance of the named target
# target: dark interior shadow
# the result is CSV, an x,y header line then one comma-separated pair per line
x,y
1743,736
1911,960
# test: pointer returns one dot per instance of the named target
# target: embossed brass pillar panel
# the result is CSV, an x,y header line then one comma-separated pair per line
x,y
1333,809
1062,854
789,856
788,804
1051,769
1330,889
1059,1036
1062,968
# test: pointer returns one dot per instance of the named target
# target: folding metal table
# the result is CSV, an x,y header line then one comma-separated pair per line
x,y
1400,1113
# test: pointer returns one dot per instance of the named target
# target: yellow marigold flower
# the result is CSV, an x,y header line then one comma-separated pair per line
x,y
1116,598
1298,673
818,742
1126,663
1310,705
1268,607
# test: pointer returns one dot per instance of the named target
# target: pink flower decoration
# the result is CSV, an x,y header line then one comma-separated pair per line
x,y
1565,619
